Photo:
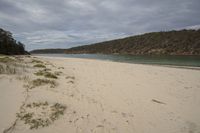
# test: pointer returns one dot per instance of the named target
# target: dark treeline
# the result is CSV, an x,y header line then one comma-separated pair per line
x,y
9,46
48,51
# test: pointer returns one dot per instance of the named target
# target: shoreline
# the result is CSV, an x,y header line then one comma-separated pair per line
x,y
159,65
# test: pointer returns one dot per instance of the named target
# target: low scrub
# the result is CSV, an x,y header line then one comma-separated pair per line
x,y
40,82
40,66
12,65
46,74
36,61
6,59
23,78
45,115
50,75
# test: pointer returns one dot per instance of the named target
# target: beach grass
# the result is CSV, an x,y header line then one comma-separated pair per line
x,y
6,69
6,59
39,65
36,61
40,82
46,116
46,74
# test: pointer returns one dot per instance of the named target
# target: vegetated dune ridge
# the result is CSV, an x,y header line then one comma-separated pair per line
x,y
182,42
89,96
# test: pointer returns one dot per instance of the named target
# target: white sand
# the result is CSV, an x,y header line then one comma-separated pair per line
x,y
110,97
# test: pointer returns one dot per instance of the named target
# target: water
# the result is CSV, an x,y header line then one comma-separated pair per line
x,y
192,61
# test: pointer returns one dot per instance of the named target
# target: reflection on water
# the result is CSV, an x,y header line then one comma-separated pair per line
x,y
144,59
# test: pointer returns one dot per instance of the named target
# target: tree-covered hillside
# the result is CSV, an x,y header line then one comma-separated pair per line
x,y
8,45
48,51
184,42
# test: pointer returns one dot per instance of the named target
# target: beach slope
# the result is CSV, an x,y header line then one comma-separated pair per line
x,y
91,96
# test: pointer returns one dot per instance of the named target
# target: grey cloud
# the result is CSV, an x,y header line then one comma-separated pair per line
x,y
67,23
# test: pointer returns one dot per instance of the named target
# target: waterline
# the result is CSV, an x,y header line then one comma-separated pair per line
x,y
189,61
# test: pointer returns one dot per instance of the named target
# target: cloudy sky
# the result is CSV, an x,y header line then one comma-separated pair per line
x,y
68,23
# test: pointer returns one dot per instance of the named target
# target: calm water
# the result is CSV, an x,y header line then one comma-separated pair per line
x,y
157,60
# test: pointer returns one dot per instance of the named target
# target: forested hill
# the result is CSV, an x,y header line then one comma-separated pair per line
x,y
183,42
8,45
48,51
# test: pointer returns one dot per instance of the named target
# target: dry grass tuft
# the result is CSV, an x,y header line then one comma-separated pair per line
x,y
40,66
44,116
40,82
58,73
12,65
36,61
6,59
46,74
23,78
50,75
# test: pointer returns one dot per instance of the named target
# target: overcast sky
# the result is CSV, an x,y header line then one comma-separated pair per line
x,y
68,23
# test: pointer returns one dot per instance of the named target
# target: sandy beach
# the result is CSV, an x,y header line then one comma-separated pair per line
x,y
91,96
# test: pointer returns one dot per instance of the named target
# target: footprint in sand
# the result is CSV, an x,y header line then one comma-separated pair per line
x,y
127,114
70,79
191,127
113,111
187,87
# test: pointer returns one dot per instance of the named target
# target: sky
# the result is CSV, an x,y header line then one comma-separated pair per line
x,y
67,23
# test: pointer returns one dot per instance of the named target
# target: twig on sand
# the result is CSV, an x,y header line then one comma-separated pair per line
x,y
156,101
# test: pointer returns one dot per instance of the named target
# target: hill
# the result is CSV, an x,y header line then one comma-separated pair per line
x,y
9,46
48,51
183,42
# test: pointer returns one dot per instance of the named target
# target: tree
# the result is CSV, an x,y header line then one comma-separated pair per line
x,y
8,44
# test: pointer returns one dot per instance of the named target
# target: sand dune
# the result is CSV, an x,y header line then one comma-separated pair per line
x,y
100,97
